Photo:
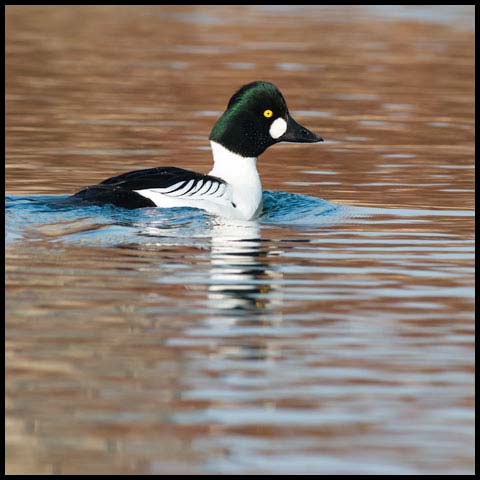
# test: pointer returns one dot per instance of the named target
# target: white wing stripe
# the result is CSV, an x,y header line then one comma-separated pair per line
x,y
183,190
214,190
195,188
221,190
169,189
206,187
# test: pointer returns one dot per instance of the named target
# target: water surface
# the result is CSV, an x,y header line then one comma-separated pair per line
x,y
333,335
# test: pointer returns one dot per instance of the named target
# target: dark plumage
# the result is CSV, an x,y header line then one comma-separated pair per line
x,y
119,190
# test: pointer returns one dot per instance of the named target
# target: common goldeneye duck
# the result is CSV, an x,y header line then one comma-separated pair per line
x,y
256,117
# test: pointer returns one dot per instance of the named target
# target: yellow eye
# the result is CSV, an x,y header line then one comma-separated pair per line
x,y
267,113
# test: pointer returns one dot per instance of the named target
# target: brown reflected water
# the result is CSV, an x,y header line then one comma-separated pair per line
x,y
343,347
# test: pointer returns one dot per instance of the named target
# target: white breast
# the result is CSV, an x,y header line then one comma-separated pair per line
x,y
239,198
242,176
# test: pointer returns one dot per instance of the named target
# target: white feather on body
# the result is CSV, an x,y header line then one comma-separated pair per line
x,y
241,198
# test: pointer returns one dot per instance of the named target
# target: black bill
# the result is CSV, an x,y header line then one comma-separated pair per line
x,y
296,133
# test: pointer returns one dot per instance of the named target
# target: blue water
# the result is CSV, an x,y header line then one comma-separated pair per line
x,y
45,217
28,216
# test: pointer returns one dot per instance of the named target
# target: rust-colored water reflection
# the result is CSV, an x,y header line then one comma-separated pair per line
x,y
333,345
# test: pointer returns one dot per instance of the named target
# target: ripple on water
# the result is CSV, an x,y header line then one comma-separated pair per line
x,y
47,216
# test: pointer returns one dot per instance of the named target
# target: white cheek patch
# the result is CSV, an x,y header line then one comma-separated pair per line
x,y
278,128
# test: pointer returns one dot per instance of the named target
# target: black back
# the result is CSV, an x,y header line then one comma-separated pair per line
x,y
120,190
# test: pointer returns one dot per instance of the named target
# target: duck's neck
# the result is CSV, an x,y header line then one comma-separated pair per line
x,y
230,166
242,174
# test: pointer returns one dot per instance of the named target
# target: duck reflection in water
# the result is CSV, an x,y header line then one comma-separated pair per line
x,y
244,291
244,295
